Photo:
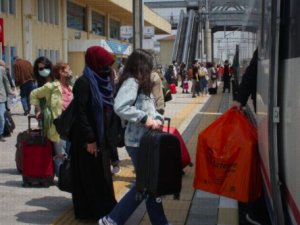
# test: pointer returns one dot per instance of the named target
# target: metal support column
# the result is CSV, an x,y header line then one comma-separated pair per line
x,y
138,23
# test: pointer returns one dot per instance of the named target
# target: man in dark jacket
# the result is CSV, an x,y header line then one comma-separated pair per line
x,y
247,86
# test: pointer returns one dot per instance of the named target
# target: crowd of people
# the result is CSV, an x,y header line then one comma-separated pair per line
x,y
135,93
47,88
203,77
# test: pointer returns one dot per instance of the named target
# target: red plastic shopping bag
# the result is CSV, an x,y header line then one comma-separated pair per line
x,y
227,160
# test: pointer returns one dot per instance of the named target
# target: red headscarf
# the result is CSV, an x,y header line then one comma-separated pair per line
x,y
97,57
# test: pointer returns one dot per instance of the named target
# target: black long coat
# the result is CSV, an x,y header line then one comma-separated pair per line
x,y
93,193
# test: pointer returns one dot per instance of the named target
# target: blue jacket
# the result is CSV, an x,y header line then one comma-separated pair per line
x,y
125,109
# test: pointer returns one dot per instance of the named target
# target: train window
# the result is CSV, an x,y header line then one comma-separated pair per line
x,y
290,30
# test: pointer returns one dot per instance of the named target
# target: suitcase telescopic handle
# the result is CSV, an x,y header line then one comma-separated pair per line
x,y
29,123
168,119
29,120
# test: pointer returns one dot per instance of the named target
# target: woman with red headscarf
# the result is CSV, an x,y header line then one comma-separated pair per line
x,y
93,193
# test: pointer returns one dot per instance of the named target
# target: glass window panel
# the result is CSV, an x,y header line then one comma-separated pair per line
x,y
114,29
56,10
52,56
57,57
12,7
4,5
39,8
52,11
98,24
46,11
76,16
40,52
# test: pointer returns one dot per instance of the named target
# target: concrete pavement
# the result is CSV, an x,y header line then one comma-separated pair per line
x,y
21,205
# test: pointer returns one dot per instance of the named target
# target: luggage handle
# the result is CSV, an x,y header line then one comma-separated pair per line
x,y
168,119
29,124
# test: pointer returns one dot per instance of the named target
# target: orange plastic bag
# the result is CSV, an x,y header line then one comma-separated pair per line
x,y
227,160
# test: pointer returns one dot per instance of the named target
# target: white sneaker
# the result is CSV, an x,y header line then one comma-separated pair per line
x,y
106,220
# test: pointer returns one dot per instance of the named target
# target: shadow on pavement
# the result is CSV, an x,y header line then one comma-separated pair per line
x,y
12,171
53,206
12,183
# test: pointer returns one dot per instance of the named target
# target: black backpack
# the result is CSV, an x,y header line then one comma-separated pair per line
x,y
64,122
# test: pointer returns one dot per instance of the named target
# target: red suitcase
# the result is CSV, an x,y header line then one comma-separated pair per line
x,y
37,158
173,88
185,155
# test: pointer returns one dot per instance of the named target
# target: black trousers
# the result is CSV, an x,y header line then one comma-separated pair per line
x,y
226,85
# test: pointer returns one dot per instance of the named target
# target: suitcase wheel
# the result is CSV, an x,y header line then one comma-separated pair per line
x,y
26,184
45,184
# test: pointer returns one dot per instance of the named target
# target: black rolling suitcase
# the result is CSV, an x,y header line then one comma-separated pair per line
x,y
159,170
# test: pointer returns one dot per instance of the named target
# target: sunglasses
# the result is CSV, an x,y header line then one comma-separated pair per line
x,y
42,68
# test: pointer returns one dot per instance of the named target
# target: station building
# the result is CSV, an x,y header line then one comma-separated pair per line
x,y
64,29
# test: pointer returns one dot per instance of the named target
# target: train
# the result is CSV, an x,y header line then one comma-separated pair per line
x,y
277,114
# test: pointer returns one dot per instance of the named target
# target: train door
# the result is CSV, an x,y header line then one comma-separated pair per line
x,y
289,104
267,106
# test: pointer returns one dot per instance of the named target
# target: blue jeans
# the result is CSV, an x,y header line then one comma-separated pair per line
x,y
127,205
25,90
61,149
2,120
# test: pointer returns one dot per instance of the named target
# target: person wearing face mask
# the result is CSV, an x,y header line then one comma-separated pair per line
x,y
58,95
23,73
93,192
42,70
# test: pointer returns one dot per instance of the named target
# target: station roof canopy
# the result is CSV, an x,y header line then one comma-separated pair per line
x,y
232,14
123,9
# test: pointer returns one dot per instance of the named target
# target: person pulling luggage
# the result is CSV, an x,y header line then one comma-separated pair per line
x,y
135,84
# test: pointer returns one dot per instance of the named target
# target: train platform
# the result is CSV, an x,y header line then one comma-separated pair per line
x,y
35,205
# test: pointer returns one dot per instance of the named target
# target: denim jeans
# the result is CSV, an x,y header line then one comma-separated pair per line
x,y
61,149
25,90
2,120
127,205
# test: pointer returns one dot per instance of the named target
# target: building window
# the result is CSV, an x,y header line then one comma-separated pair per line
x,y
56,12
40,6
2,5
57,55
40,52
12,7
52,12
52,55
8,6
98,24
47,11
76,16
114,27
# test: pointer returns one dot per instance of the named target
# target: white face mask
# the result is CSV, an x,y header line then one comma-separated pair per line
x,y
44,72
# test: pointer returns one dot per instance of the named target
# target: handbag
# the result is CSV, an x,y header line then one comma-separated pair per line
x,y
65,176
64,122
116,130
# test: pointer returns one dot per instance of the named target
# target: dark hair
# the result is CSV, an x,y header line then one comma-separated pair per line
x,y
48,64
139,65
209,64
